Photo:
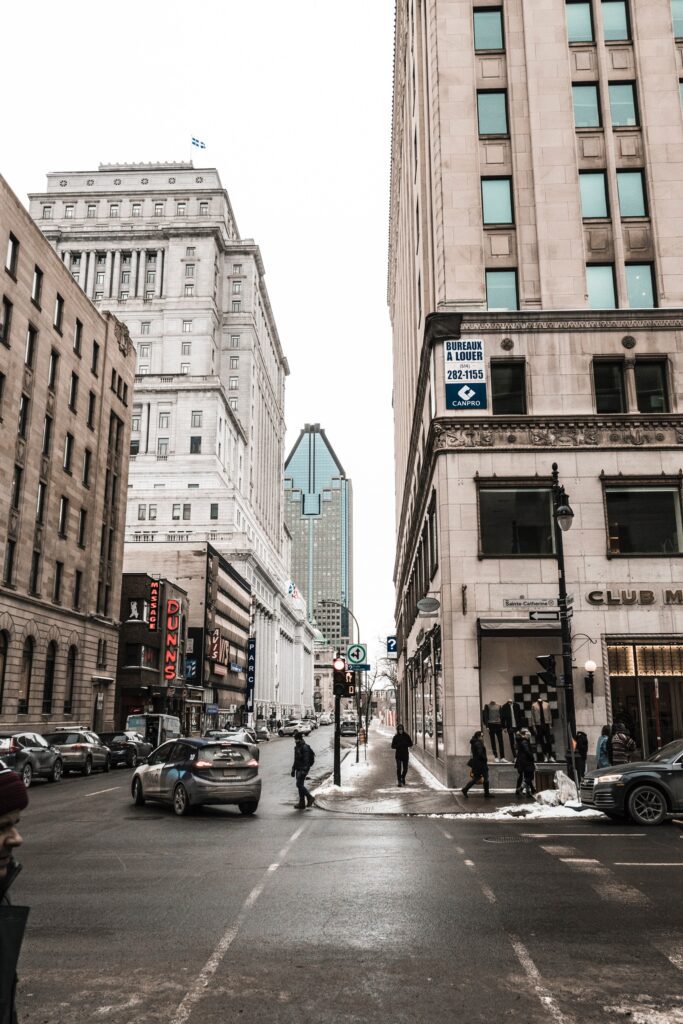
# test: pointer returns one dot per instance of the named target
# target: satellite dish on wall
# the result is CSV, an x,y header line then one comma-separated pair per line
x,y
428,605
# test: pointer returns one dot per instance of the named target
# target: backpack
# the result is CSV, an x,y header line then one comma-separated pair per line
x,y
311,758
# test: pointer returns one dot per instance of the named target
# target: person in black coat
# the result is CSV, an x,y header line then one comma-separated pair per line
x,y
401,743
303,762
525,763
479,765
13,800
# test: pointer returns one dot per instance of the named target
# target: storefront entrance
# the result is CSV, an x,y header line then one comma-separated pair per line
x,y
646,685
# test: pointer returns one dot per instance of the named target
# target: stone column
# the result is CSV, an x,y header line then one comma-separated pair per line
x,y
134,273
88,282
159,274
116,280
106,291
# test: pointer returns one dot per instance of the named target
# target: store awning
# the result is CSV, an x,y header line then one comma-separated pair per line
x,y
516,627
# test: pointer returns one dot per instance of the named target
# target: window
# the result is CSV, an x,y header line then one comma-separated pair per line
x,y
516,521
189,290
57,589
643,520
615,24
579,21
488,28
26,674
196,418
8,566
184,368
496,196
125,277
186,348
234,341
92,210
95,357
640,286
164,420
651,386
677,14
87,463
123,296
47,213
113,209
181,209
501,289
73,392
98,296
236,305
24,406
608,380
187,327
59,313
195,446
492,112
162,447
601,289
6,322
12,256
37,286
134,449
149,295
68,452
4,644
236,287
508,387
234,362
31,342
40,502
593,185
213,511
203,209
233,384
34,574
82,527
78,337
622,101
144,353
189,270
232,402
47,435
175,512
187,509
631,186
144,327
136,210
3,378
152,514
151,276
142,511
63,521
586,106
72,655
15,492
92,404
237,268
158,209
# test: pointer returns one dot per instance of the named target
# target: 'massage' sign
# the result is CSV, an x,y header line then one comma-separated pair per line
x,y
172,639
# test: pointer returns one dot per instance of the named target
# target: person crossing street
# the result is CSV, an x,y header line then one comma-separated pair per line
x,y
304,758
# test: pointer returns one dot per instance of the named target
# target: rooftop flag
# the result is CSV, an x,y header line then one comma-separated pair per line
x,y
198,143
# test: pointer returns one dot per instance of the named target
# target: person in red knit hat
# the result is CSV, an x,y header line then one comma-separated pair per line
x,y
13,800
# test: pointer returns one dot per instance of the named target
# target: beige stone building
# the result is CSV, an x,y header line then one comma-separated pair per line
x,y
535,286
66,387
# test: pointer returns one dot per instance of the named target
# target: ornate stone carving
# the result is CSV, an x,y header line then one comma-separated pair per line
x,y
90,181
63,182
585,432
117,181
122,337
562,324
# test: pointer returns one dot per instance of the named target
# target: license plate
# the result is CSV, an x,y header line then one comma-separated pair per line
x,y
230,774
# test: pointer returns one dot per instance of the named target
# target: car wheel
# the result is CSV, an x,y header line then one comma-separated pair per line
x,y
27,774
647,805
181,801
87,767
280,732
136,791
248,806
57,771
107,764
131,759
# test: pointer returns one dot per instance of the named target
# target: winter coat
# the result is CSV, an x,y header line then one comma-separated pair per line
x,y
479,760
511,715
303,757
602,753
622,746
401,743
524,761
12,924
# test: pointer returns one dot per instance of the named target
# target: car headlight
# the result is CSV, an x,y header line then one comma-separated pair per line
x,y
617,777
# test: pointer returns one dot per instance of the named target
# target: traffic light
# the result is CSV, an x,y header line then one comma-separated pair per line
x,y
547,663
339,677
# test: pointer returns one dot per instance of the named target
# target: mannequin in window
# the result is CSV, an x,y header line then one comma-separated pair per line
x,y
512,719
491,715
541,723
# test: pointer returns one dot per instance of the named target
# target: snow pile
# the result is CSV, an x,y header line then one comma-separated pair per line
x,y
528,812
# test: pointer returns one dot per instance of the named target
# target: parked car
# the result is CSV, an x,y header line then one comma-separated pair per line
x,y
292,725
241,735
648,791
125,748
81,750
261,731
325,719
348,728
31,755
190,772
312,721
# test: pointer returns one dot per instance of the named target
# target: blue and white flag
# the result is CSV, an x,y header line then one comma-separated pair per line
x,y
198,143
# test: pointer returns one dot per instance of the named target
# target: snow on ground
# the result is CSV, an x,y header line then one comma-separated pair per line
x,y
527,812
644,1014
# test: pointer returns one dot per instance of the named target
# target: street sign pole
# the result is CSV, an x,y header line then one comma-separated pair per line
x,y
337,739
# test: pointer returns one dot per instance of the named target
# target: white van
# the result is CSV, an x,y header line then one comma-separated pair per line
x,y
154,729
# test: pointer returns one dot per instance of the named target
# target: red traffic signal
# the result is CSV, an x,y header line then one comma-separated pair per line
x,y
338,676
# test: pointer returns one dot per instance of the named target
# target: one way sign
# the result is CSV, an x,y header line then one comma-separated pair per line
x,y
544,616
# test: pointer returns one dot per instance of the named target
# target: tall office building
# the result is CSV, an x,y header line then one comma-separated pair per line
x,y
159,245
319,516
66,387
535,284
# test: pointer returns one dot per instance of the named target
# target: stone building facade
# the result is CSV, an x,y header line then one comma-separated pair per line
x,y
66,388
535,286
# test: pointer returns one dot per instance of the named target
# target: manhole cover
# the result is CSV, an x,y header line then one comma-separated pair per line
x,y
506,839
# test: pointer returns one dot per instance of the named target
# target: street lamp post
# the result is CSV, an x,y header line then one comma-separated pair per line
x,y
563,516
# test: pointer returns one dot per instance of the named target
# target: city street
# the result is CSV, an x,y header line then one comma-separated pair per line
x,y
138,916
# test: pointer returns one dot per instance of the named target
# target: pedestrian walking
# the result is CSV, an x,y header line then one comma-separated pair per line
x,y
525,764
621,744
401,743
478,762
602,750
13,800
304,758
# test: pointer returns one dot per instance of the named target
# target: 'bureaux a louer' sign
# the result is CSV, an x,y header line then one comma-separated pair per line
x,y
465,365
172,639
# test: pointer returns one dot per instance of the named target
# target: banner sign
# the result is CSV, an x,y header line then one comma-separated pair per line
x,y
154,605
465,365
172,637
251,672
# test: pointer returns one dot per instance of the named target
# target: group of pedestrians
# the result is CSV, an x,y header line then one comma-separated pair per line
x,y
525,763
615,746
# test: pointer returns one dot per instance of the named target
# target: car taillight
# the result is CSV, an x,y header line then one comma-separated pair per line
x,y
253,763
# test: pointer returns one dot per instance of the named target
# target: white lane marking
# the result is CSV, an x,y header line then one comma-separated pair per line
x,y
533,974
579,860
98,791
196,991
558,851
448,835
460,850
488,893
606,886
470,863
585,835
648,864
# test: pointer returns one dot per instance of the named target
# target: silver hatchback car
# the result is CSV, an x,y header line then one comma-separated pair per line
x,y
189,772
81,750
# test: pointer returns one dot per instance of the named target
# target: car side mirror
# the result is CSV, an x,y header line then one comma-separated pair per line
x,y
143,760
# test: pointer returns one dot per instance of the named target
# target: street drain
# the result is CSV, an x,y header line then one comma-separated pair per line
x,y
506,839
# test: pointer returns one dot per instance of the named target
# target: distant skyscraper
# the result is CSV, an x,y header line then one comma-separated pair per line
x,y
318,513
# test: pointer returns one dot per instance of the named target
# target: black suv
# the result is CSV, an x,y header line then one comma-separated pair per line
x,y
127,748
648,792
31,756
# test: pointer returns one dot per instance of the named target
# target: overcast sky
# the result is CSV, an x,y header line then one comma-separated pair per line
x,y
293,100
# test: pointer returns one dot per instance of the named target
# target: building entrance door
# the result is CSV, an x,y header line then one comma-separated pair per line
x,y
646,683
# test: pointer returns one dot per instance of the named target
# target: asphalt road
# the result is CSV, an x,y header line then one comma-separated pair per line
x,y
296,916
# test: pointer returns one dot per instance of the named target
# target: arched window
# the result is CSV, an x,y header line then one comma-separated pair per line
x,y
26,673
49,678
4,647
70,680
